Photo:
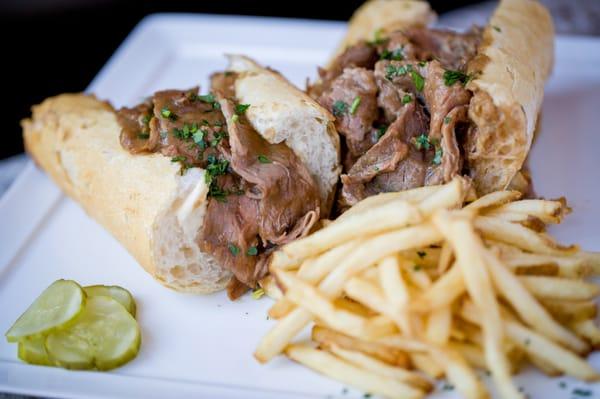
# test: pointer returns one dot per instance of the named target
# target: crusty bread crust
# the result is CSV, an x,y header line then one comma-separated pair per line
x,y
512,65
384,16
75,139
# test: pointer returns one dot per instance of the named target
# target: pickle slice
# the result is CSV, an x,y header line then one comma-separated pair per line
x,y
104,336
117,293
60,303
33,351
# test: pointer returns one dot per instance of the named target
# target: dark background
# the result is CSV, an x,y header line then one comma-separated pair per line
x,y
54,46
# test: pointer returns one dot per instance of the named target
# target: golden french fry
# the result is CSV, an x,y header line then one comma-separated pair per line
x,y
529,309
275,341
520,236
469,251
395,291
441,293
439,325
269,284
567,312
493,199
538,345
281,308
385,353
374,221
591,260
544,366
472,354
333,367
416,275
559,288
354,307
446,258
547,211
426,364
372,364
588,330
458,372
314,271
568,266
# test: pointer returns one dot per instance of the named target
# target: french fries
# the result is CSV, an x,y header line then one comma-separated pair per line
x,y
419,279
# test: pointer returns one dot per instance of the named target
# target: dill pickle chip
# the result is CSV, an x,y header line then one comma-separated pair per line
x,y
104,336
58,305
117,293
33,351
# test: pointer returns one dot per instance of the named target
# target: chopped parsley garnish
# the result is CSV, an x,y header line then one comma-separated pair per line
x,y
355,105
406,99
339,108
562,384
395,55
447,120
451,77
143,136
447,386
582,392
241,108
264,159
422,142
146,118
235,118
233,249
218,136
258,293
209,99
423,63
496,28
392,71
417,267
437,159
252,251
367,395
184,163
215,167
418,80
198,138
167,113
186,132
421,254
380,132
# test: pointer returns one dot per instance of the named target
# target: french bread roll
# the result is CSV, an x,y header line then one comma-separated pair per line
x,y
144,200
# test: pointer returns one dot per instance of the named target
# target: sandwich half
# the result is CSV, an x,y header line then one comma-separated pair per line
x,y
199,188
416,106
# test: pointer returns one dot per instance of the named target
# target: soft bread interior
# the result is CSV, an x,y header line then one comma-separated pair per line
x,y
512,65
141,199
282,113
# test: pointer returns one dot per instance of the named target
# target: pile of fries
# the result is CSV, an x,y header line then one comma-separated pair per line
x,y
430,283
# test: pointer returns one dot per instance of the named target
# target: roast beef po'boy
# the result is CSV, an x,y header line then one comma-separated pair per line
x,y
417,106
199,188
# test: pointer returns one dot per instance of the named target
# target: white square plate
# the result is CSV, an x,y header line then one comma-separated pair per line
x,y
202,346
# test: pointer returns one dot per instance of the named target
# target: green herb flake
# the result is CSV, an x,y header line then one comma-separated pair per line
x,y
367,395
392,71
562,384
378,37
422,63
146,119
496,28
166,113
418,80
241,108
235,118
417,268
447,387
179,158
421,254
394,55
447,120
264,159
355,105
252,251
422,142
339,108
582,392
209,99
233,249
380,132
451,77
143,136
407,98
437,158
527,341
258,293
218,137
198,138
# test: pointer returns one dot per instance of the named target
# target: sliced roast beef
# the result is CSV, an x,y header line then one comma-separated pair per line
x,y
280,202
394,163
452,49
352,98
360,55
136,135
